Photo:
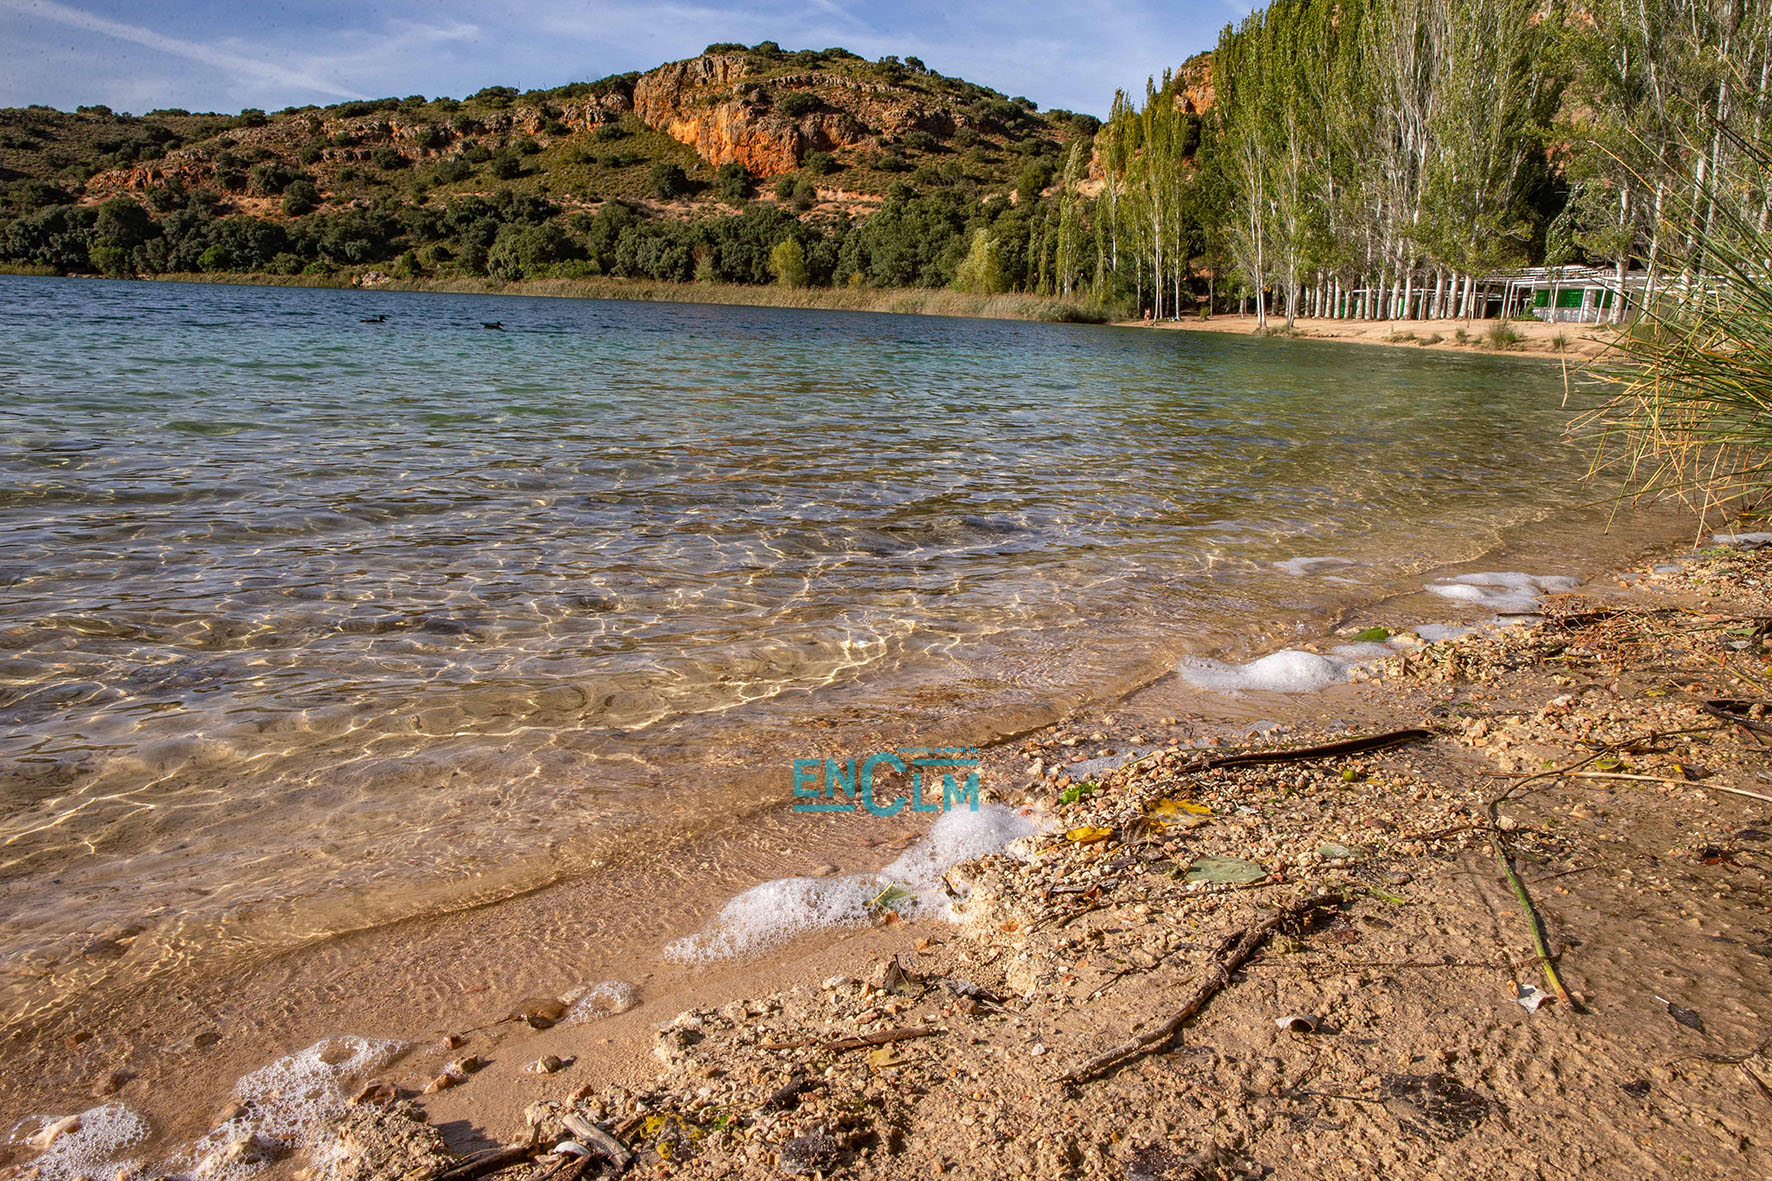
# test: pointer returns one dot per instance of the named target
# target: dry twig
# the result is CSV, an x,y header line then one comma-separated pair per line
x,y
1231,954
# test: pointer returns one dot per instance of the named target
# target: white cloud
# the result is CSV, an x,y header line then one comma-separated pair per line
x,y
245,69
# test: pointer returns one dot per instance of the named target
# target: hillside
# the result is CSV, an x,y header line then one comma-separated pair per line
x,y
821,137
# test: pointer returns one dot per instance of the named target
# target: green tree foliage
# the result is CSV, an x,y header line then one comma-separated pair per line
x,y
669,181
523,251
390,167
981,271
797,104
733,183
1361,156
788,263
1375,157
122,225
1664,96
302,196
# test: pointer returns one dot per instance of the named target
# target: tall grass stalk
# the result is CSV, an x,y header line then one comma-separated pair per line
x,y
1686,409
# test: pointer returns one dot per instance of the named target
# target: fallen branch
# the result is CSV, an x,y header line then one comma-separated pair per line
x,y
858,1042
593,1136
881,1038
1737,1060
571,1169
1533,922
1734,791
1295,754
1724,1059
1324,750
1734,710
489,1161
1070,916
1226,958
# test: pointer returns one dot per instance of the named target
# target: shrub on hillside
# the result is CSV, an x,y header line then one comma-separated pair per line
x,y
733,183
796,104
300,196
669,182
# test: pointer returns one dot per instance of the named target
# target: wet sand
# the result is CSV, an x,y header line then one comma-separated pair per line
x,y
1404,1026
421,981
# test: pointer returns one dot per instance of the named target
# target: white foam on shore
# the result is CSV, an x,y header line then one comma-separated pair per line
x,y
779,910
960,835
1286,671
1508,593
290,1104
92,1149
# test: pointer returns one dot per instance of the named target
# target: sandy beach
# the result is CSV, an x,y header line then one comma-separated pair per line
x,y
1574,342
1291,958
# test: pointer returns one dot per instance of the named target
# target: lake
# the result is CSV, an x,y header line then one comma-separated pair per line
x,y
310,625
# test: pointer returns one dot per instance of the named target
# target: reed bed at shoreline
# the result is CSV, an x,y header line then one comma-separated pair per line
x,y
904,301
1688,410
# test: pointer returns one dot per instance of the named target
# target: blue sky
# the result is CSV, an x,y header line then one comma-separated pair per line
x,y
216,55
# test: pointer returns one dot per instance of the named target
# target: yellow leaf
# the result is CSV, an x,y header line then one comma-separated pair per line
x,y
883,1057
1088,834
1178,813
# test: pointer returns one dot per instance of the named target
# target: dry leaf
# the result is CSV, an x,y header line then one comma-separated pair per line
x,y
1173,813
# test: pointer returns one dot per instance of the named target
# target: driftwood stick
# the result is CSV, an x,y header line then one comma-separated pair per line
x,y
1226,958
1294,754
883,1037
1735,710
860,1041
1325,750
490,1161
593,1136
571,1169
1533,922
1734,791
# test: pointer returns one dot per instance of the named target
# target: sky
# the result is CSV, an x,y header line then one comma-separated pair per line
x,y
224,55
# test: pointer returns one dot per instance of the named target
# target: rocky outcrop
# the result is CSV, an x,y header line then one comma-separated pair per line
x,y
712,104
1193,85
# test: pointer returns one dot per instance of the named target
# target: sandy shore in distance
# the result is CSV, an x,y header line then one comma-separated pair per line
x,y
1402,1017
1572,341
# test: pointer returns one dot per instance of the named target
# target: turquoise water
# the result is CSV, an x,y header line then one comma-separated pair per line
x,y
307,622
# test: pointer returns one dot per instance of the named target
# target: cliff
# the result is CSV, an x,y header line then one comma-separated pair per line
x,y
1193,84
730,111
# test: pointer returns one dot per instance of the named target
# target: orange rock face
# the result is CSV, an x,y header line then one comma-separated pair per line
x,y
1193,89
710,104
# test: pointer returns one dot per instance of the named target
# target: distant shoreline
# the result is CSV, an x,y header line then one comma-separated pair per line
x,y
894,300
1529,338
1574,342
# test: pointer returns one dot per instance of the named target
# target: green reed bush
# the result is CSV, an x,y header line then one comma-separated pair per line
x,y
1687,409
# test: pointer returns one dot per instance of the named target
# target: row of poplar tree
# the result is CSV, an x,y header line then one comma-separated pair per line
x,y
1377,158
